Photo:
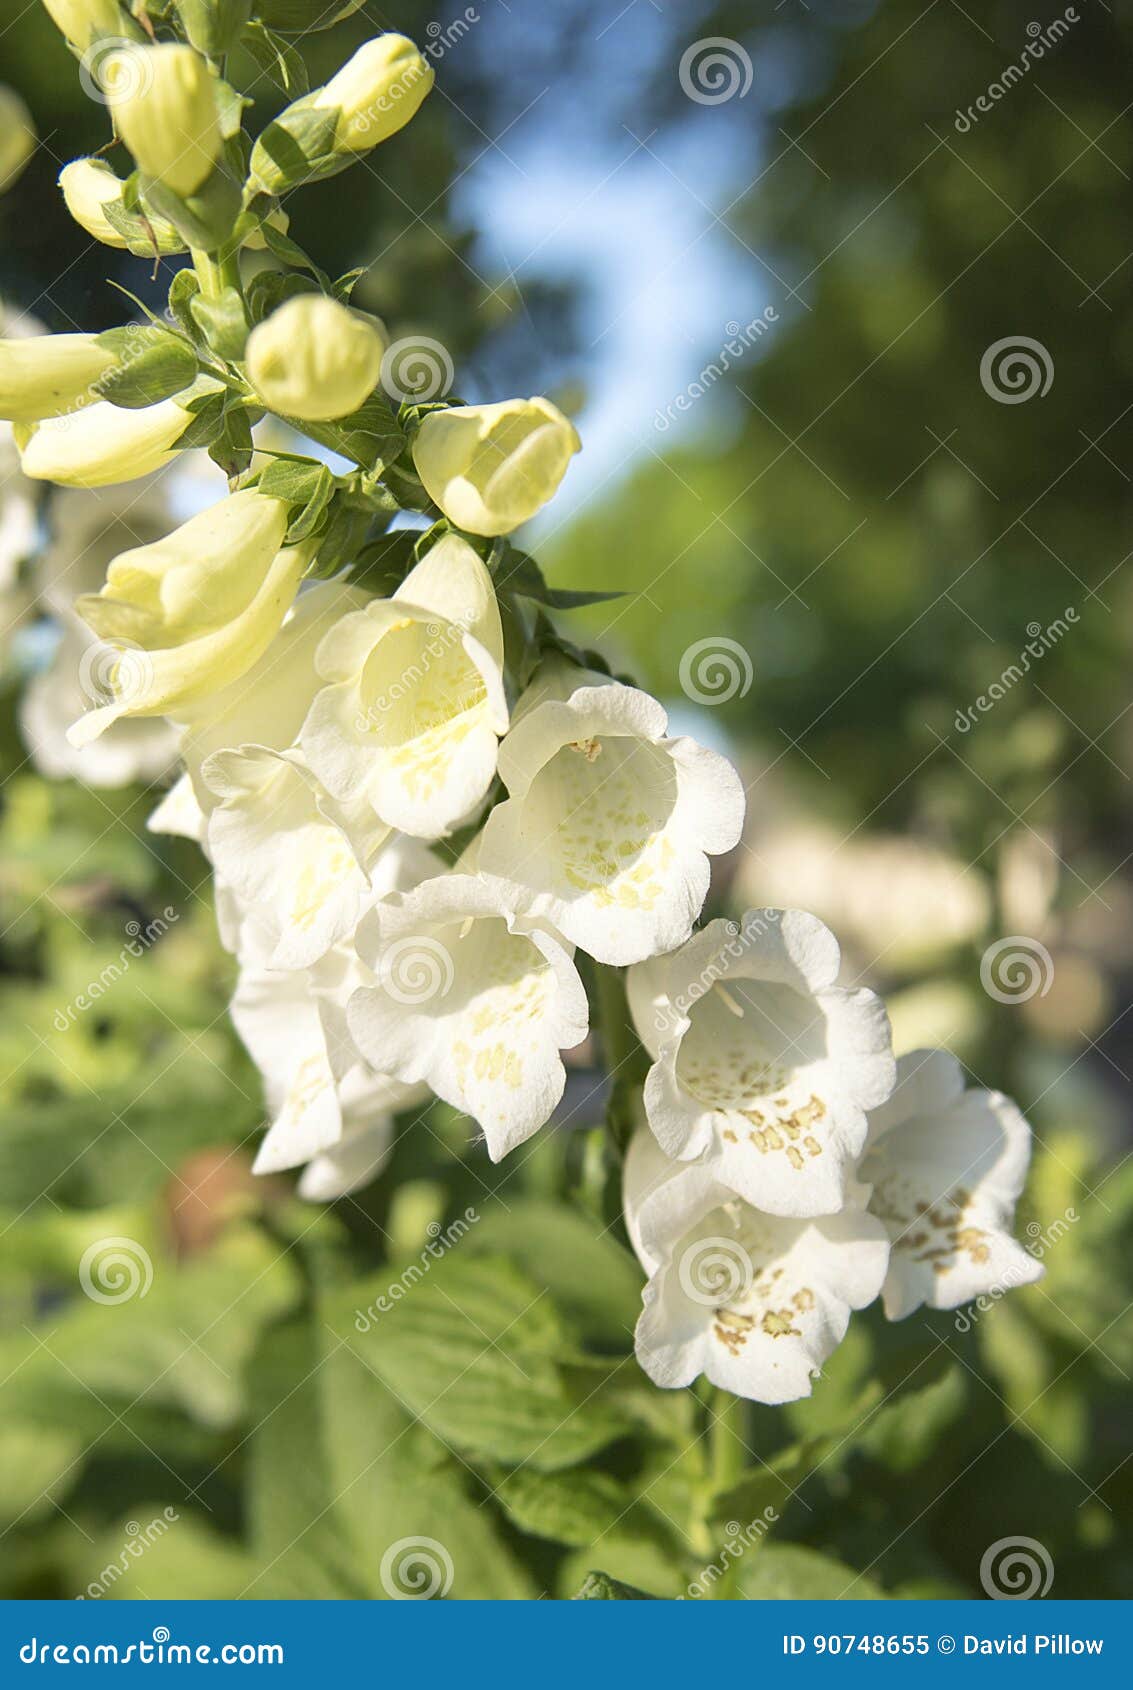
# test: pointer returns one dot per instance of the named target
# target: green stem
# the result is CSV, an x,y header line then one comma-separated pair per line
x,y
215,272
726,1440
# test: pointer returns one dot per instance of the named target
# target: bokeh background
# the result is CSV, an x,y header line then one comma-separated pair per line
x,y
773,305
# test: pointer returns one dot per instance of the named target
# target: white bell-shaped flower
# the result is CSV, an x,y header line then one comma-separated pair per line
x,y
947,1167
412,715
473,998
276,1014
609,823
298,858
754,1302
763,1068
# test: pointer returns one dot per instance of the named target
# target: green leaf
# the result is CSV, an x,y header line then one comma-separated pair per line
x,y
473,1348
222,322
277,58
383,564
233,447
591,1278
349,1498
368,436
37,1464
775,1572
601,1587
345,536
519,573
153,364
573,1508
183,289
207,424
308,486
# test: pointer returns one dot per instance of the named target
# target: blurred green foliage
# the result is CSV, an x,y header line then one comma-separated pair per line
x,y
878,533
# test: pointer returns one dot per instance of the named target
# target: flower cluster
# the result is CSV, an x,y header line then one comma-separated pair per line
x,y
432,822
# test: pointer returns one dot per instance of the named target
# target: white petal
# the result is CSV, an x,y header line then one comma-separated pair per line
x,y
471,998
348,1165
945,1181
765,1069
609,824
755,1302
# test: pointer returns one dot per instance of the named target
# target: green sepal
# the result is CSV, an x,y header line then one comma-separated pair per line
x,y
297,147
232,449
205,219
183,289
277,57
304,17
369,436
268,290
222,322
344,539
213,26
207,425
292,253
153,364
144,237
382,565
307,485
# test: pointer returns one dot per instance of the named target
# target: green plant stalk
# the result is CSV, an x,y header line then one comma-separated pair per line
x,y
215,272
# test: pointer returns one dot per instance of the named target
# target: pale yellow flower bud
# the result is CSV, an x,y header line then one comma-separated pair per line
x,y
192,612
491,467
17,137
45,375
104,443
88,185
315,359
81,20
163,102
377,91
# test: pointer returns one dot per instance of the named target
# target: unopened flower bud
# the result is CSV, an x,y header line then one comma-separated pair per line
x,y
491,467
376,92
17,137
315,359
163,102
194,610
45,375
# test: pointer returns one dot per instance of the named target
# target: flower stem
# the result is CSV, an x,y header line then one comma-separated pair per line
x,y
215,273
625,1061
726,1428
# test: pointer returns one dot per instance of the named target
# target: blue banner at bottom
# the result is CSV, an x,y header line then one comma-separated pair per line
x,y
561,1643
